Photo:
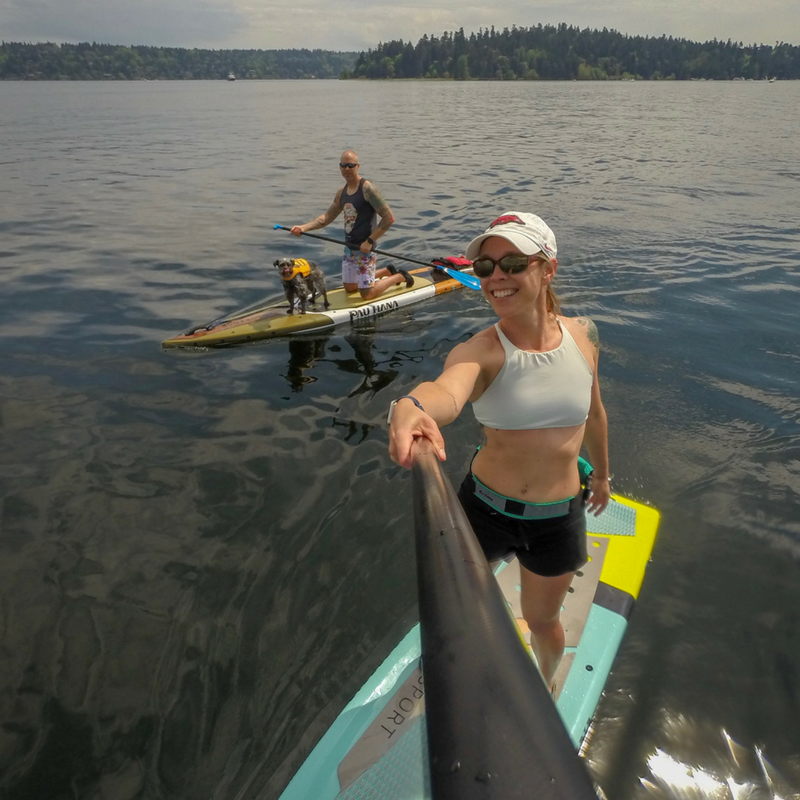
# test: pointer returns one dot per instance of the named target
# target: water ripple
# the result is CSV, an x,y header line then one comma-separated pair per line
x,y
204,554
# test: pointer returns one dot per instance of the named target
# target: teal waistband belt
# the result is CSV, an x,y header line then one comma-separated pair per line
x,y
519,508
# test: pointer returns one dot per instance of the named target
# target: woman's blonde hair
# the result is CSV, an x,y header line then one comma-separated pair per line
x,y
553,303
551,298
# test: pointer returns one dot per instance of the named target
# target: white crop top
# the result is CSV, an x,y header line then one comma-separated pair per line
x,y
538,390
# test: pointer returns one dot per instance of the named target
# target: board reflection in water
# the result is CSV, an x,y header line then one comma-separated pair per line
x,y
305,351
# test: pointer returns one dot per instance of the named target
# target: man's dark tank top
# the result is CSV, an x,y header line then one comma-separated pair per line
x,y
359,216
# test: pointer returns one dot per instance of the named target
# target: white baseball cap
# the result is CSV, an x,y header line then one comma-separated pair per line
x,y
527,232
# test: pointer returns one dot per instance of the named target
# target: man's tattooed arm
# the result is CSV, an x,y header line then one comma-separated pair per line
x,y
375,199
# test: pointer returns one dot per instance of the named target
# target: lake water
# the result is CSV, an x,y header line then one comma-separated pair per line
x,y
203,554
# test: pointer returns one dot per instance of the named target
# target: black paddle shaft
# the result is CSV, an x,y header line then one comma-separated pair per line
x,y
493,730
344,244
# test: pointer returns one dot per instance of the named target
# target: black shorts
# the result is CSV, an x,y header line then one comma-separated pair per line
x,y
546,547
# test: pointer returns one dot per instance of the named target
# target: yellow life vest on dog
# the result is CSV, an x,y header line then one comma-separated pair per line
x,y
300,267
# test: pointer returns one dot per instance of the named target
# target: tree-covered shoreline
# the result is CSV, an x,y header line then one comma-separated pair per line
x,y
565,52
541,52
92,61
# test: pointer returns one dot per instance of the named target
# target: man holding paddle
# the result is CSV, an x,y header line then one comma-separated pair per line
x,y
362,204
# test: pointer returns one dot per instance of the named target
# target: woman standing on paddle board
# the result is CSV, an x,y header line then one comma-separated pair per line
x,y
532,381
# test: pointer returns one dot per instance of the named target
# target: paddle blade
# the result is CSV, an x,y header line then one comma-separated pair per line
x,y
493,729
471,281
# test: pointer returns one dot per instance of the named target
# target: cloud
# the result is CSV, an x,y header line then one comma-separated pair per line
x,y
358,25
183,23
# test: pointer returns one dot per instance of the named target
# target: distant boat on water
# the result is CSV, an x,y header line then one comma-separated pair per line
x,y
231,76
771,80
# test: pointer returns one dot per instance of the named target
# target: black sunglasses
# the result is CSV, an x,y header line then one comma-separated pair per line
x,y
348,164
512,264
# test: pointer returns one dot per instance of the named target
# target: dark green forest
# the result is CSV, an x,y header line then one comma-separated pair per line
x,y
542,52
564,52
86,62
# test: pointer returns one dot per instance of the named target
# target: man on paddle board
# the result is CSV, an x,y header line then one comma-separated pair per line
x,y
532,381
362,205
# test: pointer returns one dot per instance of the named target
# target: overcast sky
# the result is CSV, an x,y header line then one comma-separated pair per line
x,y
357,24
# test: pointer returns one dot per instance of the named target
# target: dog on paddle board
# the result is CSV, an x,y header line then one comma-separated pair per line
x,y
302,279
